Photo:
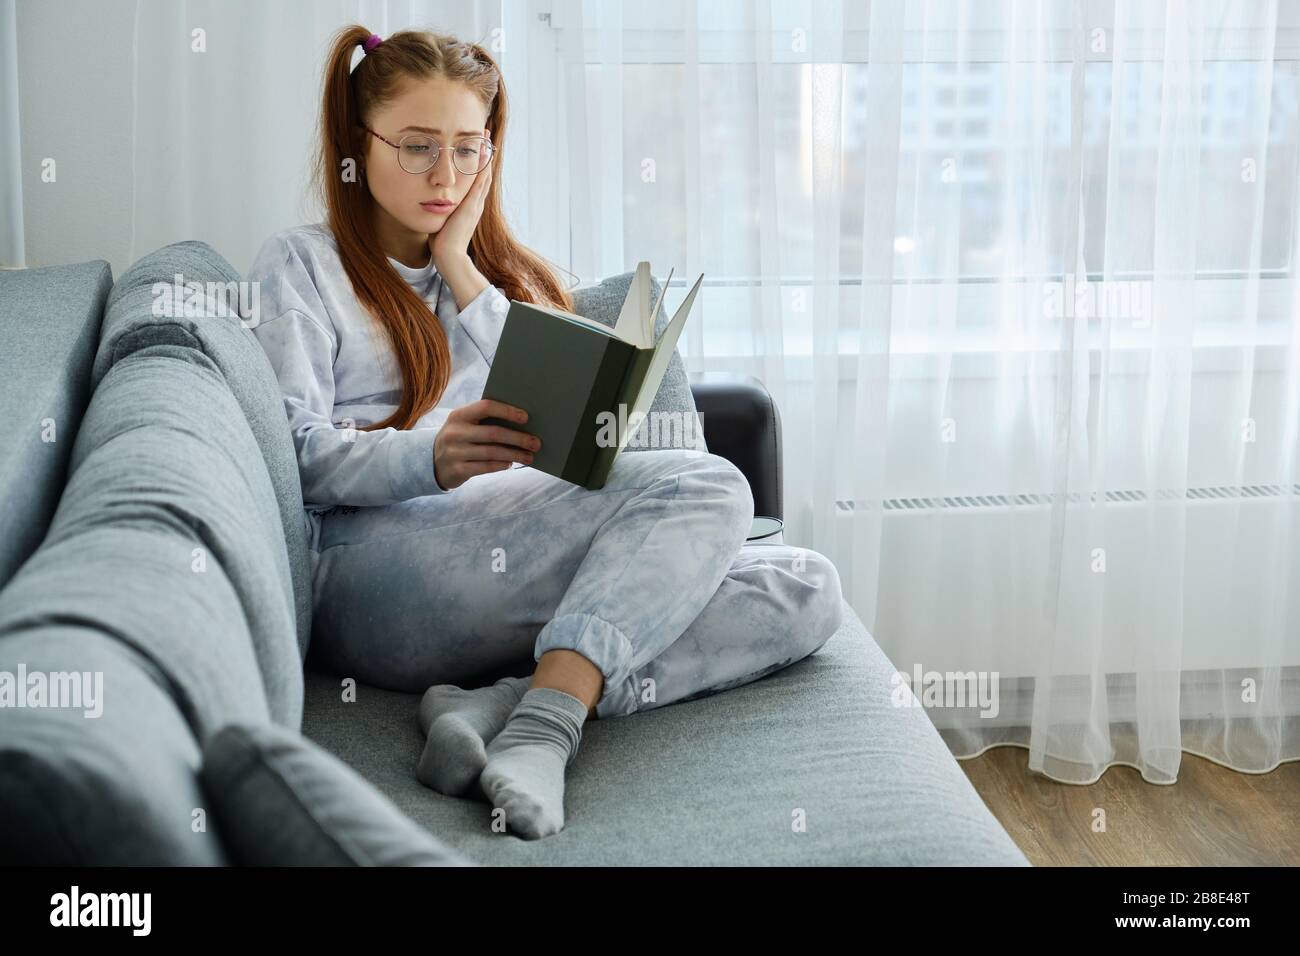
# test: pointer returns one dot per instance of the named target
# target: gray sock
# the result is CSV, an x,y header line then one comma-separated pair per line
x,y
524,774
457,725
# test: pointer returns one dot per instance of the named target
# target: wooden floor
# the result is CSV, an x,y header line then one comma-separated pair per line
x,y
1211,817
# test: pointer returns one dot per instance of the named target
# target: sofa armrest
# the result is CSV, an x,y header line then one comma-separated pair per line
x,y
50,320
742,424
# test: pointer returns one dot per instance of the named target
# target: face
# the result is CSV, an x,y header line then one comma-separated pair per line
x,y
421,107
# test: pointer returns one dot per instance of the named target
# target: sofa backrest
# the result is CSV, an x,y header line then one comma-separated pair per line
x,y
49,330
158,606
130,324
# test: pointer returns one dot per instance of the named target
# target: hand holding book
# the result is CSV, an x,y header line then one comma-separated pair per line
x,y
465,447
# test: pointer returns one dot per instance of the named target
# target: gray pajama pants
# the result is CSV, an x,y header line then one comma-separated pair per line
x,y
649,578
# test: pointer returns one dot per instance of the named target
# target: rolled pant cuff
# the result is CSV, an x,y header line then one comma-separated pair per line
x,y
601,643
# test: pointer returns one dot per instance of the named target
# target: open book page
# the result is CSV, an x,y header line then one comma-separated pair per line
x,y
635,324
649,322
630,326
658,365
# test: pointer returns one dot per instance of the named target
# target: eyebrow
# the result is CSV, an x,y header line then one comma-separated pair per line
x,y
425,129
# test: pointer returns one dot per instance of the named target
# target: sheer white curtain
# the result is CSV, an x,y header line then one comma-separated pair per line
x,y
1021,277
11,183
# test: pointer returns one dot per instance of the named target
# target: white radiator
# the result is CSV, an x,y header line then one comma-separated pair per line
x,y
940,615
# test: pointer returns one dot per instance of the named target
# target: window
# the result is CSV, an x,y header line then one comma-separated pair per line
x,y
965,134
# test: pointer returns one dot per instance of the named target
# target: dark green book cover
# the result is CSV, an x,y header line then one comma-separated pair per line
x,y
576,376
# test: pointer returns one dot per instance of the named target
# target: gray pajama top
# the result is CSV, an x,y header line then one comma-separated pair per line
x,y
337,371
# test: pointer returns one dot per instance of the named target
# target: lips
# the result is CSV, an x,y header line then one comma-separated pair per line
x,y
438,205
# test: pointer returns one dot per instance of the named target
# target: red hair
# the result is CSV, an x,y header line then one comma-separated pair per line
x,y
418,339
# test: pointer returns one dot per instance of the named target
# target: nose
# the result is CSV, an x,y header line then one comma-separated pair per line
x,y
444,171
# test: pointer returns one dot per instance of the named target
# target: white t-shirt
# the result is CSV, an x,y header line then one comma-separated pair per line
x,y
337,371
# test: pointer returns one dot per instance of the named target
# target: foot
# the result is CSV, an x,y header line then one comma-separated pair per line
x,y
458,724
524,774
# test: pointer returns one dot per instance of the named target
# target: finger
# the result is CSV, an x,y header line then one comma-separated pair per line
x,y
504,410
496,435
489,408
497,453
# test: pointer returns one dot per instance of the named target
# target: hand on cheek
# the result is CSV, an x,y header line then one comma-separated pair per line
x,y
452,240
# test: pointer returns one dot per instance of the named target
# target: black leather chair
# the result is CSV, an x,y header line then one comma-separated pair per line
x,y
742,424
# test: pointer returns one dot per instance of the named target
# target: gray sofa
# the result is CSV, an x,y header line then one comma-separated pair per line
x,y
152,540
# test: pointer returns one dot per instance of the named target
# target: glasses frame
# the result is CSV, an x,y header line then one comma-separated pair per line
x,y
437,155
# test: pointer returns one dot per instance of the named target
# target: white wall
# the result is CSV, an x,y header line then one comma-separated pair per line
x,y
74,75
220,147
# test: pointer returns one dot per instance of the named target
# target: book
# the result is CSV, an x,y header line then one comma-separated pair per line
x,y
586,386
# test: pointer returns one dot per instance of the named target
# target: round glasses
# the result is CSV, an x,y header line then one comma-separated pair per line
x,y
418,152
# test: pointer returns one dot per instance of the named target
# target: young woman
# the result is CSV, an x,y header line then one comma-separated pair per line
x,y
439,557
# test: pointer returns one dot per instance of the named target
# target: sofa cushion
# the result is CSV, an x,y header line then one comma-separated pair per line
x,y
117,789
810,765
49,329
167,536
603,302
130,325
283,801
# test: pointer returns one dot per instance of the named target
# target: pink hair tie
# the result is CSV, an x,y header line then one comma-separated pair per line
x,y
370,42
